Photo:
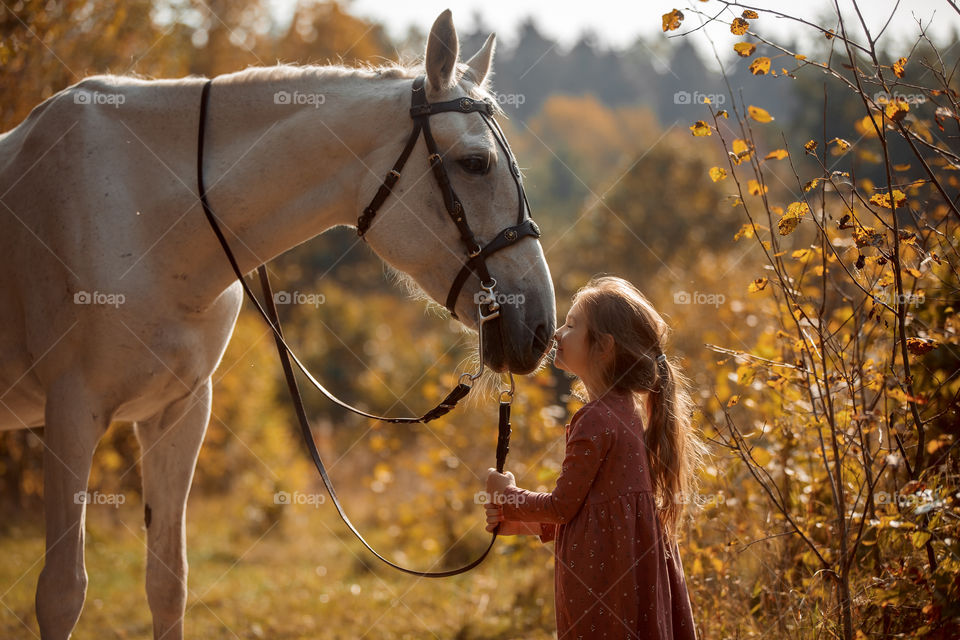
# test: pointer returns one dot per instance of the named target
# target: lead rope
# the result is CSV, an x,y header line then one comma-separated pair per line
x,y
285,353
503,442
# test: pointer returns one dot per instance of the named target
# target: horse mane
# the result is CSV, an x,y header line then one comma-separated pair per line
x,y
390,70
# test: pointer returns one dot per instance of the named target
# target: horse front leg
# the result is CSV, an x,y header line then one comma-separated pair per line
x,y
170,443
74,424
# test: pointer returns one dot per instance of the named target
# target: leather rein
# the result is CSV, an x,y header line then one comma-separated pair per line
x,y
475,263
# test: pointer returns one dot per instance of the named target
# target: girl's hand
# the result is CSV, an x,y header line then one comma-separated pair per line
x,y
509,527
494,516
498,482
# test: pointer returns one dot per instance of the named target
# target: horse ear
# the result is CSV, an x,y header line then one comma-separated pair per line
x,y
442,52
478,67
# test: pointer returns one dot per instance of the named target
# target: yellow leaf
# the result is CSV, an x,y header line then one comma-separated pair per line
x,y
867,236
916,273
746,231
759,114
864,126
798,209
755,189
800,57
811,146
795,211
777,154
757,285
762,456
920,538
898,67
883,199
741,151
739,26
723,113
811,185
750,15
800,254
760,66
897,110
733,400
717,174
744,49
700,128
842,144
672,20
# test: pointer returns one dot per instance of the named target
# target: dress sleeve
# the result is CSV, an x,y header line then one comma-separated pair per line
x,y
548,531
587,444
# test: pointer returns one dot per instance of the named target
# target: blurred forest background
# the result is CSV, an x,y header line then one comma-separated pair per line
x,y
829,506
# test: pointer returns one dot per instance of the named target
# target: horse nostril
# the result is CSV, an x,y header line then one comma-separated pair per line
x,y
542,338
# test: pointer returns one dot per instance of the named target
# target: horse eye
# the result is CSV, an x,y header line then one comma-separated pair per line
x,y
477,165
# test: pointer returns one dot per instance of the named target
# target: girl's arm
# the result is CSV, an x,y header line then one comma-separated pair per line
x,y
515,527
587,446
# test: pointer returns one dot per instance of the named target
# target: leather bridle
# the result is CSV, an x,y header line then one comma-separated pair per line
x,y
420,112
476,263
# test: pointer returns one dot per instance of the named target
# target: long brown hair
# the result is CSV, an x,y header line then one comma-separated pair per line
x,y
613,306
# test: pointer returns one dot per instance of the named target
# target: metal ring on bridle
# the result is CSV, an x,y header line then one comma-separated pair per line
x,y
508,392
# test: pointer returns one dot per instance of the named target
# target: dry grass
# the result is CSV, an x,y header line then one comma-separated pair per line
x,y
297,577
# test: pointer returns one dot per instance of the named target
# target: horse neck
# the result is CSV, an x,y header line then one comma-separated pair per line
x,y
281,170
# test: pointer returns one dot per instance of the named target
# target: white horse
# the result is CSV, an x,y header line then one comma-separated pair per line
x,y
117,302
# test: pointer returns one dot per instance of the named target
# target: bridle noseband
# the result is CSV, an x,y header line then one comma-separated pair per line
x,y
420,112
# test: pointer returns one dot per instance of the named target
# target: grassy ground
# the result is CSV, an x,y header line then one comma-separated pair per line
x,y
300,576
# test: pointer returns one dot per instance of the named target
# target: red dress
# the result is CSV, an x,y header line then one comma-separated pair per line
x,y
616,575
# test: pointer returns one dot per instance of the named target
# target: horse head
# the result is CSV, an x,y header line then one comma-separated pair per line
x,y
416,230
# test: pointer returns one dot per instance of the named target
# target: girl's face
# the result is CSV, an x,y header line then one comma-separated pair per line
x,y
573,350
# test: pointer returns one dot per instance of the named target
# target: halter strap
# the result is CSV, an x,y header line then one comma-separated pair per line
x,y
476,255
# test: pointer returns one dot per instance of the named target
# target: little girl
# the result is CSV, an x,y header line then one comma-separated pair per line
x,y
615,510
